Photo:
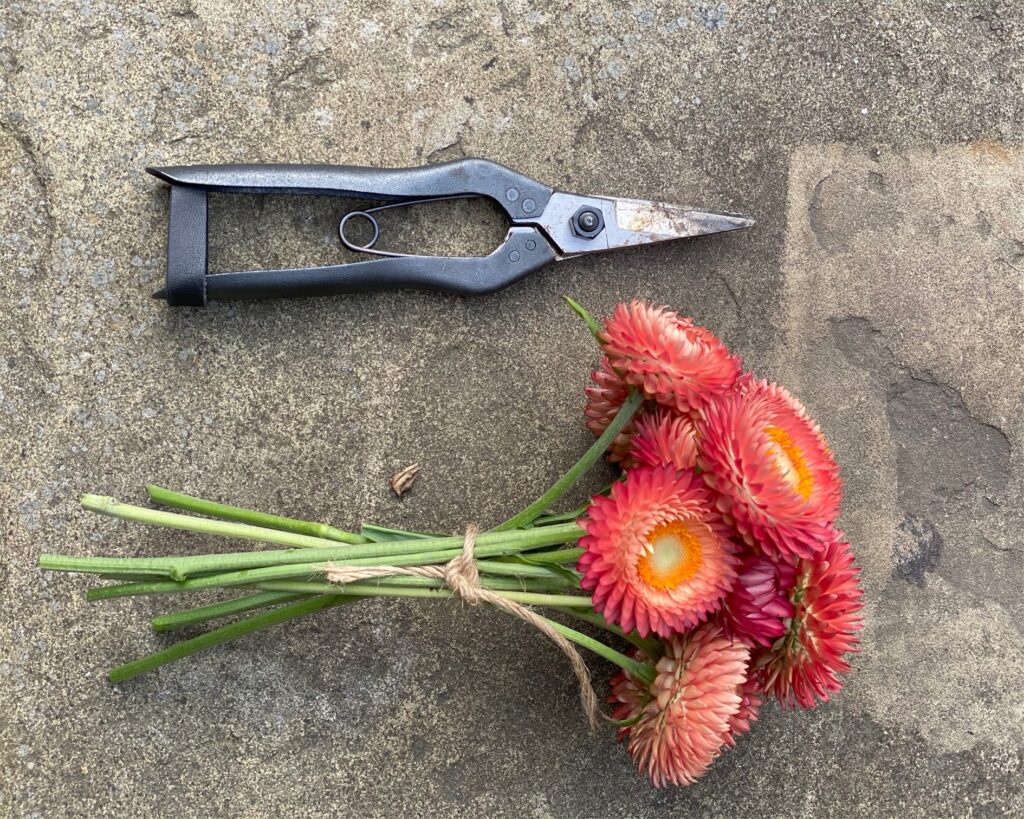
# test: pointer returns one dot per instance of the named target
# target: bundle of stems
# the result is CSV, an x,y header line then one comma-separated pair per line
x,y
527,559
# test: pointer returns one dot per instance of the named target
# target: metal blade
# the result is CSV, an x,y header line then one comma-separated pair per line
x,y
627,222
641,222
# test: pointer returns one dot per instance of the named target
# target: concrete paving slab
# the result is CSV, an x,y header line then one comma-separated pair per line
x,y
878,145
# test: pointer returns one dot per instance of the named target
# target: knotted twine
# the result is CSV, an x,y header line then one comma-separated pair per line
x,y
461,575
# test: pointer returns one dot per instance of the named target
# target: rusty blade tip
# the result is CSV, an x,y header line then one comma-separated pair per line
x,y
722,222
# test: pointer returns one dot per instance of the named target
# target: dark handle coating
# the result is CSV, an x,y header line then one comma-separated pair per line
x,y
523,251
520,196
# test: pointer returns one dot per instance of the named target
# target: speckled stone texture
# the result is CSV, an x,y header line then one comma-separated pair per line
x,y
878,145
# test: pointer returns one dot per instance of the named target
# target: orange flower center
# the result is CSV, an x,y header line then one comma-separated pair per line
x,y
673,555
790,461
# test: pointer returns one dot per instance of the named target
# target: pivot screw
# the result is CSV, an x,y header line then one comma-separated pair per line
x,y
587,222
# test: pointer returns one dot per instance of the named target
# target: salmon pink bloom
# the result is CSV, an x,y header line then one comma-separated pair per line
x,y
604,400
678,364
805,663
663,438
657,557
772,469
685,718
758,604
751,698
745,381
628,695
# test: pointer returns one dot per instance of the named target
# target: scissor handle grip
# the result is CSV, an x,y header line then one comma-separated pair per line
x,y
520,196
523,251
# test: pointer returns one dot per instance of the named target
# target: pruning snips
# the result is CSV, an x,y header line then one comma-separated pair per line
x,y
546,226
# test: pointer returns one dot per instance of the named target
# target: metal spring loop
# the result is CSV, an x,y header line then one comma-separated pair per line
x,y
369,247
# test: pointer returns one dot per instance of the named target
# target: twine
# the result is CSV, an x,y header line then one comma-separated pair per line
x,y
461,575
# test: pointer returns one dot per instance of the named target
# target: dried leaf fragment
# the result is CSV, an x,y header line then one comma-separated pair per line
x,y
402,481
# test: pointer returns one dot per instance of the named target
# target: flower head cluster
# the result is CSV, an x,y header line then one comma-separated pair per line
x,y
676,363
682,721
772,470
658,558
719,542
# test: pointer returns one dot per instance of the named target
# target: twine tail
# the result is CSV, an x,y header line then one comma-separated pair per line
x,y
461,575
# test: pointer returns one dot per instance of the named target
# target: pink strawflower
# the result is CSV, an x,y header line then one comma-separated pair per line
x,y
663,438
657,556
673,361
685,718
759,601
628,695
751,698
804,665
745,381
604,400
772,469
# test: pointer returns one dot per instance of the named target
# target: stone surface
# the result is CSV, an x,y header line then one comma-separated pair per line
x,y
878,145
913,362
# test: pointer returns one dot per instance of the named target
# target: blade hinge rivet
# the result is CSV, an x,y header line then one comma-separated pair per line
x,y
587,222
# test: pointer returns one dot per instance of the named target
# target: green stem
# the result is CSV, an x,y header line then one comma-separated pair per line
x,y
155,517
250,577
379,534
575,514
223,634
374,590
555,556
500,584
239,605
581,311
565,517
224,511
652,648
633,667
304,549
537,508
246,577
510,569
499,548
125,577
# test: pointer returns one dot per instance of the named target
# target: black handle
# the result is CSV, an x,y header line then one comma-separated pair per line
x,y
520,196
523,251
